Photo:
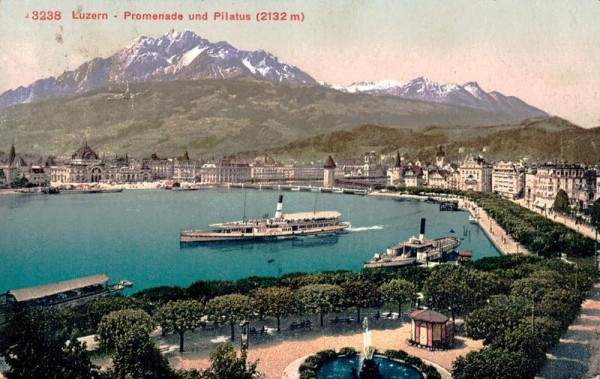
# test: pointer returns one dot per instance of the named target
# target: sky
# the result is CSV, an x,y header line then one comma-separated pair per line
x,y
546,52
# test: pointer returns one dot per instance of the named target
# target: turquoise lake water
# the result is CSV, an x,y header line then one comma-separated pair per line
x,y
134,235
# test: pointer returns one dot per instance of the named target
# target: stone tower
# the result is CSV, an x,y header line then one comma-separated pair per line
x,y
396,171
329,172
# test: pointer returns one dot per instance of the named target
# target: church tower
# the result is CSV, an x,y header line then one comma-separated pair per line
x,y
439,157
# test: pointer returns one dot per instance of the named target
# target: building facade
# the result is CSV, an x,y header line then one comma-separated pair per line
x,y
508,179
475,174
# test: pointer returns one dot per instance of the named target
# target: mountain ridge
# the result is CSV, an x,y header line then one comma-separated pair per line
x,y
187,56
172,56
469,95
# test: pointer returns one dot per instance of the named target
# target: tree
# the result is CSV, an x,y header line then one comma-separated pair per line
x,y
360,295
398,291
595,214
39,344
533,288
125,335
454,288
90,313
230,308
276,302
501,315
162,295
117,325
225,364
321,299
561,202
491,363
179,317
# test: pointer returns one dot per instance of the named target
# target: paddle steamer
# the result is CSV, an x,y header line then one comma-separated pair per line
x,y
282,226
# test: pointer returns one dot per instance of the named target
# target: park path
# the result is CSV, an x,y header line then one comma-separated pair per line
x,y
578,353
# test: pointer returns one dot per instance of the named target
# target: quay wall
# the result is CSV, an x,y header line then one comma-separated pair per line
x,y
498,236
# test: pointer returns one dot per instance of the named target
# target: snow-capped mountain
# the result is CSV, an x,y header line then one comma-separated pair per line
x,y
171,56
468,95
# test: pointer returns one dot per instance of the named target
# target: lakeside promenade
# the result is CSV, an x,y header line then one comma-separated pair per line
x,y
584,229
501,240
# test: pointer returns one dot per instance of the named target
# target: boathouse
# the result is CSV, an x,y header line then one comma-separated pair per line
x,y
431,329
69,291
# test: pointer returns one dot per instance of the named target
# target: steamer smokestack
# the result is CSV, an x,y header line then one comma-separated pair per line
x,y
422,231
279,207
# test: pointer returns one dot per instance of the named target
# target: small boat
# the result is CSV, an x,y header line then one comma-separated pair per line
x,y
280,227
473,220
417,250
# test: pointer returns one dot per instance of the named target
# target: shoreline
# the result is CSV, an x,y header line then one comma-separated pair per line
x,y
504,243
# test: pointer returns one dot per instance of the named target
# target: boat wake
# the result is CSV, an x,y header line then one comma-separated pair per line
x,y
365,228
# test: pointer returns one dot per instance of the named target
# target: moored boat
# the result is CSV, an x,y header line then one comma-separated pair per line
x,y
416,250
282,226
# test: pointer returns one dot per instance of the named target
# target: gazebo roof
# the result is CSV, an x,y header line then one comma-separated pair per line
x,y
428,315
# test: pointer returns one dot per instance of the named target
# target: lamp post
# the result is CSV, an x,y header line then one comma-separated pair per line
x,y
244,335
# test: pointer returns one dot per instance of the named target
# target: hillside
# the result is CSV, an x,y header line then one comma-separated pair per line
x,y
537,140
213,117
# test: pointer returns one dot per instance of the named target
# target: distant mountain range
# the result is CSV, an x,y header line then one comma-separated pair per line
x,y
186,56
468,95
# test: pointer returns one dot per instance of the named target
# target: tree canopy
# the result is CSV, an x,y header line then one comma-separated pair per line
x,y
180,316
230,308
40,344
561,202
276,302
321,299
399,291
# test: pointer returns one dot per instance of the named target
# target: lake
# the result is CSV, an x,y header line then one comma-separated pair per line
x,y
134,235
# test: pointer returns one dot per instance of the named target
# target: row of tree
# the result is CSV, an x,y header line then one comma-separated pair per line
x,y
532,303
535,232
40,344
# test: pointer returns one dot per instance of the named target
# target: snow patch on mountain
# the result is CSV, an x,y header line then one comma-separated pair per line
x,y
468,95
172,56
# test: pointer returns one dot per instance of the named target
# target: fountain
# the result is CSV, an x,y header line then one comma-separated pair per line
x,y
367,366
369,369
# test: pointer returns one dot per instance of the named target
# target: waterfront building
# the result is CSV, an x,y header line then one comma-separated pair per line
x,y
549,178
85,166
372,166
413,176
225,171
125,171
74,291
15,169
475,174
288,172
438,178
160,169
508,179
329,172
187,170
